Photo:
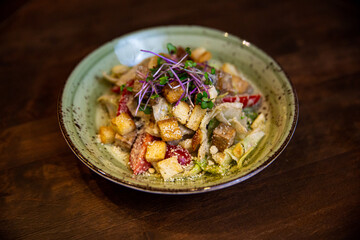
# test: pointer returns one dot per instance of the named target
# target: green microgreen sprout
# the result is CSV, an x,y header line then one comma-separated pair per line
x,y
164,80
189,63
188,51
207,79
213,71
154,96
122,87
170,74
171,48
147,110
204,101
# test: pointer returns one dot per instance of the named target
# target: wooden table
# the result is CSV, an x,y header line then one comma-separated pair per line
x,y
312,191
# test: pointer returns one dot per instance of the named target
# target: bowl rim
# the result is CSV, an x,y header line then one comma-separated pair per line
x,y
190,190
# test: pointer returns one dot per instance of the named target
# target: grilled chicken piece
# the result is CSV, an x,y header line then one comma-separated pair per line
x,y
125,141
223,136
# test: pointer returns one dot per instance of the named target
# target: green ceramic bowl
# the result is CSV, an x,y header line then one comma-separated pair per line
x,y
77,104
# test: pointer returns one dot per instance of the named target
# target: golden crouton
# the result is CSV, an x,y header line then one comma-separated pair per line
x,y
153,62
169,129
173,93
169,167
123,123
196,116
196,140
200,55
155,151
181,112
230,68
107,134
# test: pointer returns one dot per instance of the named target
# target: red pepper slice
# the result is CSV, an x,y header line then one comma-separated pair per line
x,y
246,100
137,159
124,98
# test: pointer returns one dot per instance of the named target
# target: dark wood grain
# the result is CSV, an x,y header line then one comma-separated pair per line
x,y
312,191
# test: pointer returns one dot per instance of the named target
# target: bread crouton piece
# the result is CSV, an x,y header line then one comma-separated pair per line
x,y
196,140
181,112
173,92
230,69
153,62
123,124
200,55
126,141
223,136
155,151
169,129
196,116
169,167
107,134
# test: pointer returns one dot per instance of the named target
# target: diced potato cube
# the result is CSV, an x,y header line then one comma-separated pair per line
x,y
187,144
169,167
173,93
126,141
153,62
181,112
107,134
196,116
223,136
196,140
169,129
123,123
200,55
155,151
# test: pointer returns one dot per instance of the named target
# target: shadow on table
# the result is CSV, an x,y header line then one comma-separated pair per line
x,y
204,213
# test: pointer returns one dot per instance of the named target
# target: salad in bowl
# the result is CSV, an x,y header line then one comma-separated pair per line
x,y
177,110
179,117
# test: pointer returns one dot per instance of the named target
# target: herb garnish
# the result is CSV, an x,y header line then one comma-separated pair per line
x,y
171,48
204,101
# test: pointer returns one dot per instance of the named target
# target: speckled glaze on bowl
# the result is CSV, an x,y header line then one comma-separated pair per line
x,y
77,104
